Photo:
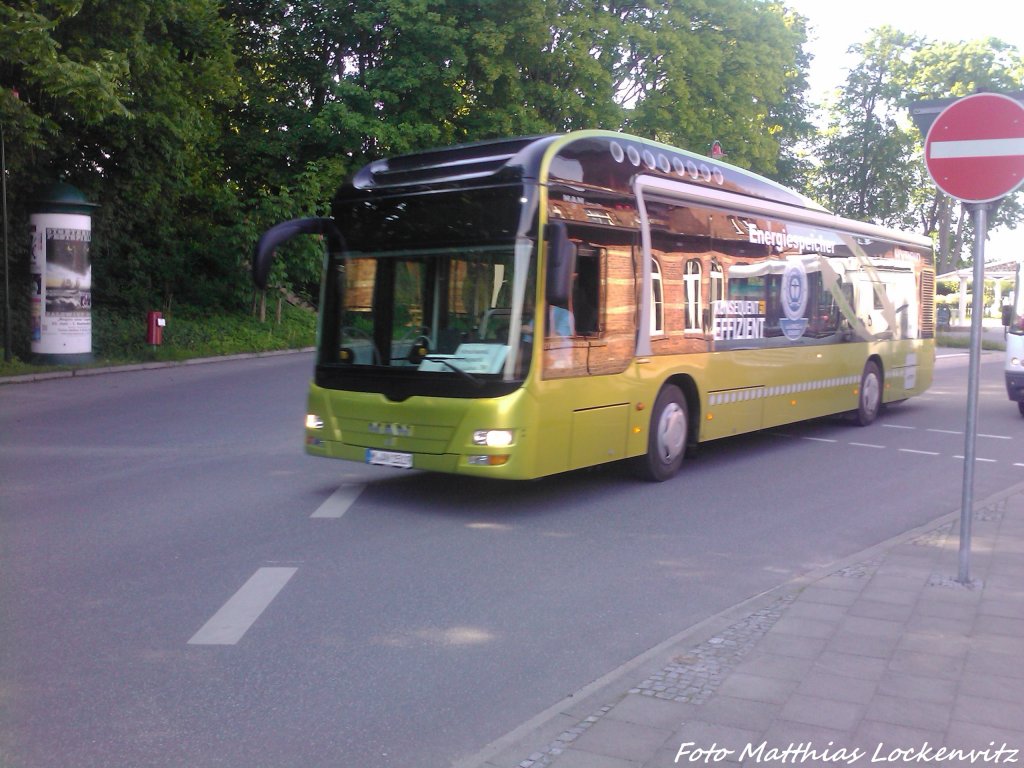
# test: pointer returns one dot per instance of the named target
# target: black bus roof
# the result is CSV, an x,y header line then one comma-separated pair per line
x,y
589,160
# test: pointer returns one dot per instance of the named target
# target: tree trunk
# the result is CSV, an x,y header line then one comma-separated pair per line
x,y
944,214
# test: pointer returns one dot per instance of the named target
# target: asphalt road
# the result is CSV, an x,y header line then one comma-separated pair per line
x,y
181,586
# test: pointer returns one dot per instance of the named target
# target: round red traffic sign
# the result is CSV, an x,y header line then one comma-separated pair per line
x,y
975,148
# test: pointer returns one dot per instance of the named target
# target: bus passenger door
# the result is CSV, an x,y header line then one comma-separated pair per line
x,y
589,340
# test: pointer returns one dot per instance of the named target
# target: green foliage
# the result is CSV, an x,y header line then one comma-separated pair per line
x,y
963,341
866,153
120,337
196,124
695,71
117,98
870,162
54,80
190,333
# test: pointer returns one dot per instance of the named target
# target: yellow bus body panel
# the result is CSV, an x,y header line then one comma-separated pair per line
x,y
564,424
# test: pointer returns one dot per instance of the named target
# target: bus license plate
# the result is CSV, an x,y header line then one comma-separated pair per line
x,y
389,458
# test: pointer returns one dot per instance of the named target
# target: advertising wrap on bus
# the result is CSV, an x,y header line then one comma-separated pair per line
x,y
519,308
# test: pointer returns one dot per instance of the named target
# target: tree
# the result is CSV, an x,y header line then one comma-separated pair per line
x,y
950,70
157,172
328,87
390,76
195,124
44,84
693,71
865,155
136,138
51,80
870,157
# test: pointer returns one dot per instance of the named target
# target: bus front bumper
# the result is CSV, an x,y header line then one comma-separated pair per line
x,y
493,465
489,437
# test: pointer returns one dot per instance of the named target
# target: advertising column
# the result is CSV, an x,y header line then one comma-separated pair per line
x,y
61,277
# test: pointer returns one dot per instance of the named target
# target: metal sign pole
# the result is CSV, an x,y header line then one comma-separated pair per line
x,y
974,151
979,212
7,282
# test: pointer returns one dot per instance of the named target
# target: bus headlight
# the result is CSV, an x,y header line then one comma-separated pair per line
x,y
1014,361
313,421
494,438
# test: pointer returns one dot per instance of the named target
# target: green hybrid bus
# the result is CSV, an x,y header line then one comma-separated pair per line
x,y
523,307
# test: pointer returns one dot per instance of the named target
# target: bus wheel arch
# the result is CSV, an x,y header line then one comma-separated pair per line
x,y
670,432
869,393
689,390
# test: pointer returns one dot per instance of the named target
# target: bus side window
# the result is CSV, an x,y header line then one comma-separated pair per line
x,y
824,312
586,292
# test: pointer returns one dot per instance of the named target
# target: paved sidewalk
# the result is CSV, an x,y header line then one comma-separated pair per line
x,y
885,659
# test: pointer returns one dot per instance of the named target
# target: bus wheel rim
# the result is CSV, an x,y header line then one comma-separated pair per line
x,y
671,433
872,393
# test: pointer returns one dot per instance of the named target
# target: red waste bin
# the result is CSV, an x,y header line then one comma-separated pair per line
x,y
155,328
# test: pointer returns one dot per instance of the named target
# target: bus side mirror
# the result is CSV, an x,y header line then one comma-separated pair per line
x,y
263,254
561,264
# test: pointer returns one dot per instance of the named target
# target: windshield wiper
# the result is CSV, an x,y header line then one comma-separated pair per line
x,y
465,374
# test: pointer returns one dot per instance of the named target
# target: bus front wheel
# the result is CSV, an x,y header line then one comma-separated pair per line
x,y
666,441
869,402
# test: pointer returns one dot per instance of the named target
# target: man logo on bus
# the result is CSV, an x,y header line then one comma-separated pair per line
x,y
794,300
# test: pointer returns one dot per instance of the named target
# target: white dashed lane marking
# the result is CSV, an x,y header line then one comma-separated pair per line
x,y
233,620
955,432
914,451
339,502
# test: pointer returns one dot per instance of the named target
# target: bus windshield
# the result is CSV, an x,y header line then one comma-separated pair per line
x,y
446,312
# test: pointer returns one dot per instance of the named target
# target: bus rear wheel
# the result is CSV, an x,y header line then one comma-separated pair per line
x,y
666,441
869,402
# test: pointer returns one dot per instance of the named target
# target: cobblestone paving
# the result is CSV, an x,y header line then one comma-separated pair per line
x,y
936,538
691,677
991,512
695,676
862,570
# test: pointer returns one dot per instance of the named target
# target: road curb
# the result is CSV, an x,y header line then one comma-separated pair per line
x,y
156,365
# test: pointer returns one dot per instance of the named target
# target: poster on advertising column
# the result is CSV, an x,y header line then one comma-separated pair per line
x,y
61,284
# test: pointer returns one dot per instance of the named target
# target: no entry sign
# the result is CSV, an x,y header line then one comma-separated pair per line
x,y
975,148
